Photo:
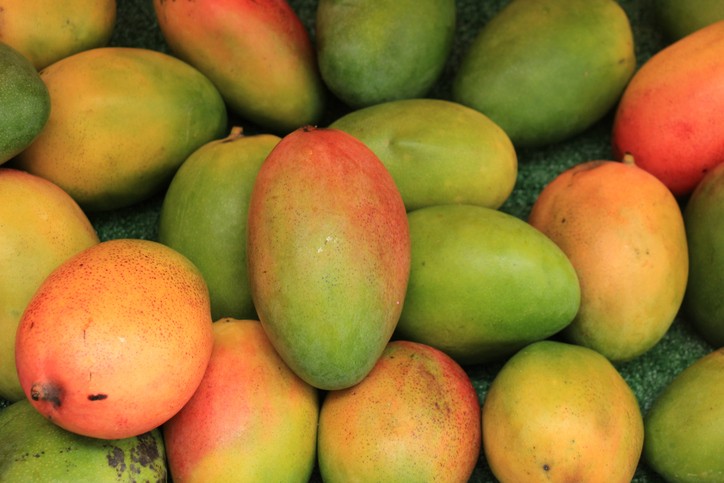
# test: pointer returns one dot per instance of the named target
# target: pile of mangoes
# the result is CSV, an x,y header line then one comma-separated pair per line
x,y
351,268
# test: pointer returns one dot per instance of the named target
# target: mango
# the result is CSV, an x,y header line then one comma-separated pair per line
x,y
204,216
370,53
623,231
25,102
46,32
546,70
257,53
704,221
35,449
471,161
685,425
678,19
41,227
669,117
116,339
122,121
328,253
415,417
483,283
559,412
251,419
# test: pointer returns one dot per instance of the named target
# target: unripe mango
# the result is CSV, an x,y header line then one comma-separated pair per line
x,y
328,252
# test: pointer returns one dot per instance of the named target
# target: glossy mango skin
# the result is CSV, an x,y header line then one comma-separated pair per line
x,y
41,228
669,117
328,253
257,53
251,419
370,53
46,32
545,70
415,417
561,412
624,233
470,161
122,121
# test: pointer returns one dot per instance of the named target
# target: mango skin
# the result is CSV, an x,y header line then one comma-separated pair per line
x,y
34,448
559,412
415,417
41,228
678,19
685,425
704,221
483,283
392,49
25,103
328,253
204,216
88,146
47,32
624,233
546,70
471,161
257,53
251,419
669,117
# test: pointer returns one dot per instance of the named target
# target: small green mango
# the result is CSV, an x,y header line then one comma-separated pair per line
x,y
35,449
372,52
545,70
677,19
684,434
483,283
471,161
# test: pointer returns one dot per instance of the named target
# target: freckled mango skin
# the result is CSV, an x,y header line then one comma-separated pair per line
x,y
624,233
257,53
669,117
46,32
328,253
116,339
122,120
559,412
415,417
41,228
251,419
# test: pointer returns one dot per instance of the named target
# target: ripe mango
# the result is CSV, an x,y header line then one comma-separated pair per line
x,y
122,121
251,419
471,161
559,412
545,70
685,425
41,227
204,216
328,253
257,53
415,417
373,52
624,233
704,221
483,283
669,117
46,32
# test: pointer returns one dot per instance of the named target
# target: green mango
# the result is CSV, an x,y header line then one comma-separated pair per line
x,y
483,283
25,102
545,70
471,161
328,255
204,214
677,19
372,52
684,434
35,449
704,222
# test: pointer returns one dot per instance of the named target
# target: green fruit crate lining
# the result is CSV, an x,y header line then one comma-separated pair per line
x,y
648,374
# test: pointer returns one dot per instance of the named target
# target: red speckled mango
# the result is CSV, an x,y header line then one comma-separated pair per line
x,y
116,339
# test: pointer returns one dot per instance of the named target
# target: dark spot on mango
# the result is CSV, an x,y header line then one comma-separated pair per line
x,y
117,460
546,467
97,397
47,392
